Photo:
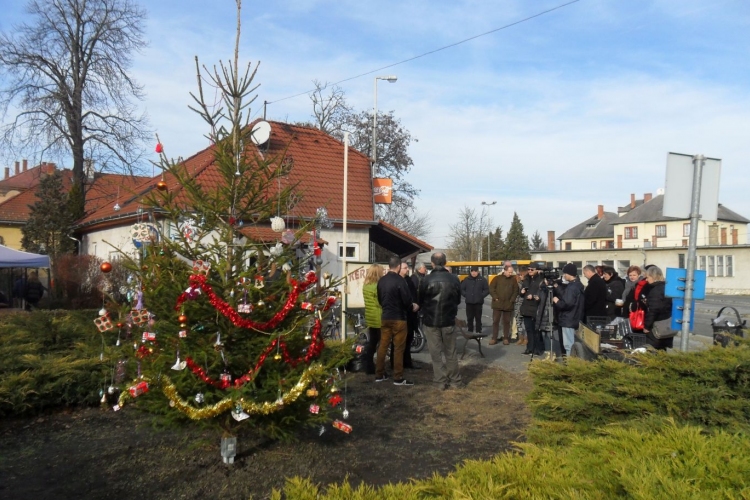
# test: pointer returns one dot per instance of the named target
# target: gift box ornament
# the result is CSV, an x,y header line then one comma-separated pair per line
x,y
139,316
138,389
314,409
201,267
103,323
149,336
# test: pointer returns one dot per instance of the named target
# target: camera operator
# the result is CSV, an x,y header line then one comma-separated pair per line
x,y
530,293
570,305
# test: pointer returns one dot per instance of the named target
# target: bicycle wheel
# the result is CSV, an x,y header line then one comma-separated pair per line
x,y
418,342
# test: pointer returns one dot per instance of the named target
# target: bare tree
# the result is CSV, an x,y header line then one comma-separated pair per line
x,y
413,222
67,85
330,111
468,234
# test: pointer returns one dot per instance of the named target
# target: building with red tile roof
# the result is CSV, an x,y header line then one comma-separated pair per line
x,y
316,174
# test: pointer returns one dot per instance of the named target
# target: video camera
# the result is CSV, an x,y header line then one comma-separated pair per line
x,y
551,273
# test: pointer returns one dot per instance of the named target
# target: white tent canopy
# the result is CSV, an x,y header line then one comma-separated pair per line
x,y
16,258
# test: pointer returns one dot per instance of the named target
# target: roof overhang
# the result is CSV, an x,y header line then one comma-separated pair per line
x,y
397,241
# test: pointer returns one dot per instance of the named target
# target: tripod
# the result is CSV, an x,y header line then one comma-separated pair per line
x,y
548,291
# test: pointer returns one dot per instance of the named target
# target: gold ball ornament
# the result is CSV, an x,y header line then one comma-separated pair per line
x,y
277,357
182,318
161,186
105,267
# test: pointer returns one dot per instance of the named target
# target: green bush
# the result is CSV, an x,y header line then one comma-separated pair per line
x,y
674,426
49,359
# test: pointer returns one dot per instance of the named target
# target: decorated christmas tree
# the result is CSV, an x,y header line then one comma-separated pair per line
x,y
220,327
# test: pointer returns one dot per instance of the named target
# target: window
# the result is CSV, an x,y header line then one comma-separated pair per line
x,y
607,244
593,245
730,266
622,267
686,229
711,271
631,233
661,231
591,263
681,261
702,262
352,251
719,265
568,246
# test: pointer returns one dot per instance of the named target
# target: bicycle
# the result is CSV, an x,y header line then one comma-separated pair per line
x,y
332,328
419,340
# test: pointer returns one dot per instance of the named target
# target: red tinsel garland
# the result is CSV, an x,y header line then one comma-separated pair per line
x,y
313,350
199,281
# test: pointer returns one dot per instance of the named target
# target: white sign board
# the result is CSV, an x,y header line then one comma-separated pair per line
x,y
678,189
355,280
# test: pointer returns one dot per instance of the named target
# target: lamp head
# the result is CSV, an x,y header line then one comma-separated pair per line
x,y
389,78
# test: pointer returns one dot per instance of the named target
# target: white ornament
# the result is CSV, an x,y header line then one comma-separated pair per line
x,y
277,224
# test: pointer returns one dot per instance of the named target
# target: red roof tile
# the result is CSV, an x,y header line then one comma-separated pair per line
x,y
317,171
27,179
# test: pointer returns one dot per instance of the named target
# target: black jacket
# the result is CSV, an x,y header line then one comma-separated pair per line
x,y
570,305
658,307
530,286
439,295
615,289
394,297
474,290
596,297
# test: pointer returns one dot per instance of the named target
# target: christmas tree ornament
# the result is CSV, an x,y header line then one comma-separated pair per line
x,y
103,323
104,399
345,413
286,267
260,303
321,430
231,293
277,357
277,224
312,392
102,312
342,426
116,207
201,267
182,333
239,414
171,404
182,318
161,185
105,267
314,409
139,316
159,148
259,282
199,398
334,401
287,237
244,308
218,340
138,389
179,365
111,389
279,400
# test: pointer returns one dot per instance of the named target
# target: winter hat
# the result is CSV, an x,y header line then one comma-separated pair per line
x,y
570,269
474,268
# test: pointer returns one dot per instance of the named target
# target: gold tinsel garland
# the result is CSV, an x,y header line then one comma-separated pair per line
x,y
252,407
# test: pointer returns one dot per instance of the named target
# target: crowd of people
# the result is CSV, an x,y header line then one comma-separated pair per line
x,y
529,303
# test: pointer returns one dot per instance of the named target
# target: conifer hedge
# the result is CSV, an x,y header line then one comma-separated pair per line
x,y
669,426
49,359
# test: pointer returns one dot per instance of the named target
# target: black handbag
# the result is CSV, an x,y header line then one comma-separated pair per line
x,y
662,329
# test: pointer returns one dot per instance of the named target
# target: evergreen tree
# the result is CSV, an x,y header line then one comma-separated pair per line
x,y
516,242
496,244
50,221
215,336
537,243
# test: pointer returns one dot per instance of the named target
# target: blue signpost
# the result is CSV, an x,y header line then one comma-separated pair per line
x,y
675,288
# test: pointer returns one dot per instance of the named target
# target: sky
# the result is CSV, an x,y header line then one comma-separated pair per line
x,y
550,117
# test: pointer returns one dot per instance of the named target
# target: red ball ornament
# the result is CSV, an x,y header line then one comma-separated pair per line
x,y
159,148
182,318
120,325
161,186
105,267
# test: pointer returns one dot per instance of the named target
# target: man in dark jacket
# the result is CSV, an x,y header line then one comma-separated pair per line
x,y
595,294
570,305
530,293
504,290
395,299
439,295
474,289
419,274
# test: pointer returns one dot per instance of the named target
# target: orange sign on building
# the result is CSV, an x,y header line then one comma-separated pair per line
x,y
382,189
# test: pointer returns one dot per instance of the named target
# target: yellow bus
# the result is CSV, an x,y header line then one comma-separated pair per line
x,y
488,268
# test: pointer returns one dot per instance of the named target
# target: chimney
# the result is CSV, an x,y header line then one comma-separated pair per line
x,y
551,241
25,165
7,172
18,167
632,200
600,212
646,197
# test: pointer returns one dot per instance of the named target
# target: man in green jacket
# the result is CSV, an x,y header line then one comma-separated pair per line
x,y
503,290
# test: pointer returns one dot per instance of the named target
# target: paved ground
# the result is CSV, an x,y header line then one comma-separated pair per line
x,y
510,357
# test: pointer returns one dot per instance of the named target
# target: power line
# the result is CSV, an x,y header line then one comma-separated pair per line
x,y
539,14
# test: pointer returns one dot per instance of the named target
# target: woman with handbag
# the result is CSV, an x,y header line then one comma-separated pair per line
x,y
658,311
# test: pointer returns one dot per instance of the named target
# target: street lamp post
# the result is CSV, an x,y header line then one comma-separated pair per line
x,y
389,79
489,236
